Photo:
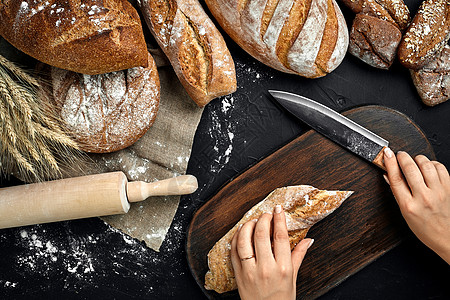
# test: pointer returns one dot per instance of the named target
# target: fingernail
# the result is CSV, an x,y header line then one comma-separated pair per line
x,y
388,152
278,209
255,220
240,226
386,178
310,243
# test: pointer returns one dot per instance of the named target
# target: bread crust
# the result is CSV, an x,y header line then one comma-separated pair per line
x,y
374,40
287,35
304,206
89,37
433,80
194,46
107,112
427,35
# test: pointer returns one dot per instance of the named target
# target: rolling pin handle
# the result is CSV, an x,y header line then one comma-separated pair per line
x,y
181,185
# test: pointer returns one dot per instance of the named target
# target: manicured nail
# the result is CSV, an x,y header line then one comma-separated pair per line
x,y
388,152
277,209
386,178
310,243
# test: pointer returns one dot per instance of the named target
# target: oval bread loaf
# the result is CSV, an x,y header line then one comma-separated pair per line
x,y
107,112
427,35
89,37
304,37
194,46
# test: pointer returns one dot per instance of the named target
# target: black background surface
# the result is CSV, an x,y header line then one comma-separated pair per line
x,y
86,259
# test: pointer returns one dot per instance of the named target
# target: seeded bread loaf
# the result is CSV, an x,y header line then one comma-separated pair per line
x,y
194,46
107,112
428,34
304,37
432,81
89,37
304,206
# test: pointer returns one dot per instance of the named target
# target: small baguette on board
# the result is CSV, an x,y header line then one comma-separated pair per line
x,y
427,35
304,37
194,46
91,37
304,206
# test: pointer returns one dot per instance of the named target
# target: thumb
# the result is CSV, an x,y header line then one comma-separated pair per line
x,y
299,253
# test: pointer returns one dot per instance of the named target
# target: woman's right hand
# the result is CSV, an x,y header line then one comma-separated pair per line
x,y
422,190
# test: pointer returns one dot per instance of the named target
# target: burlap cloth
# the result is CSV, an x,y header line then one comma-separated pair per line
x,y
163,152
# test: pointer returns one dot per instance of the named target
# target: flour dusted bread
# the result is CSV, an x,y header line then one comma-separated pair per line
x,y
194,46
433,80
89,37
374,41
428,34
304,37
304,206
110,111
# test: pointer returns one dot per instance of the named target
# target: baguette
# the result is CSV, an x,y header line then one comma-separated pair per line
x,y
304,206
89,37
194,46
308,38
428,34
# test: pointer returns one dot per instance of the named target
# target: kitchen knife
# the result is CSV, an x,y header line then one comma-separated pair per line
x,y
334,126
82,197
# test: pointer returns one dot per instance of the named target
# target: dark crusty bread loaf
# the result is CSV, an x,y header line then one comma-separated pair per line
x,y
427,35
194,46
89,37
304,206
374,40
433,80
394,11
376,30
304,37
107,112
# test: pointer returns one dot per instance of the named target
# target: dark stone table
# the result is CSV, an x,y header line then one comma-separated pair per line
x,y
86,259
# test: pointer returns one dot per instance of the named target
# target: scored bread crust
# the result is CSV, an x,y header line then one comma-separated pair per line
x,y
194,46
288,35
107,112
304,206
89,37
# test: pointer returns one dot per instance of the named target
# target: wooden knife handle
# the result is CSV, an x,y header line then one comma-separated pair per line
x,y
379,159
65,199
181,185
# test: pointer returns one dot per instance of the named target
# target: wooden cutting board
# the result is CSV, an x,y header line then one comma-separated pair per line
x,y
367,225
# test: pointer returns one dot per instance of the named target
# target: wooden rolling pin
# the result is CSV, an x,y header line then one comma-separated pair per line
x,y
82,197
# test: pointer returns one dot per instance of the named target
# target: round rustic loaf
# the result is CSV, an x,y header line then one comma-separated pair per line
x,y
107,112
304,37
89,37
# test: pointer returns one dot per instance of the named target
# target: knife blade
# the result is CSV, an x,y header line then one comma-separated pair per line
x,y
334,126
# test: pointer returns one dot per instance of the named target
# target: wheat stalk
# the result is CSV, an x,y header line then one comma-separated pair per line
x,y
33,141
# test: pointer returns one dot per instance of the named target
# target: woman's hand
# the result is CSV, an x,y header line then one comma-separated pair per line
x,y
423,195
263,273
